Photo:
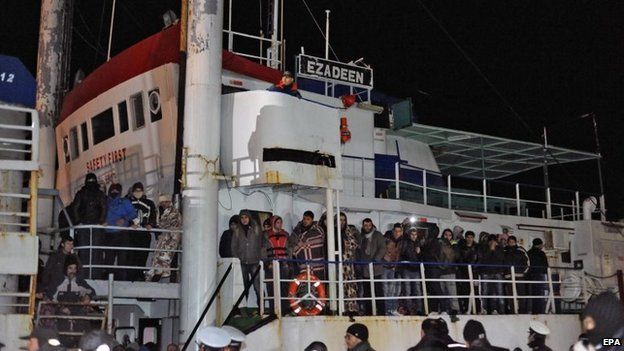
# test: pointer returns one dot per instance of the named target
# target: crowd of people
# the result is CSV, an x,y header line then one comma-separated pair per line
x,y
396,256
91,206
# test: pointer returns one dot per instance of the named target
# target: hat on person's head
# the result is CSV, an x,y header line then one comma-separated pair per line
x,y
237,336
473,330
45,337
244,213
97,340
234,219
287,74
316,346
359,331
538,328
492,237
91,178
213,337
537,241
457,231
115,187
137,186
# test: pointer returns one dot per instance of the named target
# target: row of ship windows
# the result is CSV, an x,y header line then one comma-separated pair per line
x,y
103,127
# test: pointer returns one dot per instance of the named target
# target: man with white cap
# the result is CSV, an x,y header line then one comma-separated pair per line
x,y
43,339
238,337
213,339
537,336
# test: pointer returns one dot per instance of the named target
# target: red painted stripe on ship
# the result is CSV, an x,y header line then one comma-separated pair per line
x,y
154,51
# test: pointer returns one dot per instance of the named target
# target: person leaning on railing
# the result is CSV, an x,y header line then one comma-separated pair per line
x,y
448,256
538,271
247,246
148,219
308,243
517,257
120,213
491,258
468,250
164,258
350,245
391,288
411,255
372,249
431,254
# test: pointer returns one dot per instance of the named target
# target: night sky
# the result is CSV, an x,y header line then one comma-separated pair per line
x,y
551,61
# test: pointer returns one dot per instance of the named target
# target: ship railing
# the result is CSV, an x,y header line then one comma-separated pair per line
x,y
560,290
19,142
72,320
91,250
414,184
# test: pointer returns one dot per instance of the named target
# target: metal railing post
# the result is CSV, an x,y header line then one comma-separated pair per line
x,y
277,292
518,200
261,292
514,289
548,204
230,34
109,315
577,197
449,190
363,176
424,177
485,206
551,292
603,208
371,272
397,183
90,252
473,301
424,288
573,211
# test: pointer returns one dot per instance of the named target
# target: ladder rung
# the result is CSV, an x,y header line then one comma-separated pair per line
x,y
89,318
16,214
7,224
15,141
7,149
16,233
21,196
15,127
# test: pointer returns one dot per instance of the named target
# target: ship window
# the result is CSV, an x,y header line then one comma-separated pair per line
x,y
122,108
73,143
155,106
136,101
66,148
85,136
102,126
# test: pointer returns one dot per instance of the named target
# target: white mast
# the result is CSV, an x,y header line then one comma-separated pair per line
x,y
202,115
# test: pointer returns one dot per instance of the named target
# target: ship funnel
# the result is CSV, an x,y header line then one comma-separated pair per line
x,y
589,206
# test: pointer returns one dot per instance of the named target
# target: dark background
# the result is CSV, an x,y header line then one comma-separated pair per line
x,y
552,61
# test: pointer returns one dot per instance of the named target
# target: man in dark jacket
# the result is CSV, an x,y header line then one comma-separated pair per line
x,y
372,249
247,246
516,257
89,208
286,85
148,219
391,288
431,254
225,244
491,257
55,266
449,256
120,213
538,271
603,318
475,337
467,250
434,337
411,254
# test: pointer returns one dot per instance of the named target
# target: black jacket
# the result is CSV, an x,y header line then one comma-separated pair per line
x,y
517,257
146,211
538,262
467,254
491,257
54,270
89,206
225,244
408,253
484,345
432,252
437,343
448,254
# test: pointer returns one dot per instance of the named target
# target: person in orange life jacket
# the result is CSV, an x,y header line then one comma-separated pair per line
x,y
286,85
276,244
148,219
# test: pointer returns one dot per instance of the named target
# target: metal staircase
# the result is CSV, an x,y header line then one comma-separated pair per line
x,y
19,169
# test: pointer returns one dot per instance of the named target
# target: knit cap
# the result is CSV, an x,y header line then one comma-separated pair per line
x,y
358,330
473,330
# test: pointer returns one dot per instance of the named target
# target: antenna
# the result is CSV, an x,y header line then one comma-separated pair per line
x,y
110,33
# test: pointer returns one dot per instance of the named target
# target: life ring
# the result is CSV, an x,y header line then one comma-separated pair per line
x,y
306,301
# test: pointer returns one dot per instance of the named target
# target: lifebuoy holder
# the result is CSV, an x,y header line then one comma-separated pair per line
x,y
307,295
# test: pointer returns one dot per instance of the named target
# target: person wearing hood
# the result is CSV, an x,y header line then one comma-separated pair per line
x,y
434,337
120,213
356,338
350,246
308,244
475,337
449,257
225,244
411,253
372,249
286,85
89,208
537,336
148,219
275,243
392,255
602,318
247,246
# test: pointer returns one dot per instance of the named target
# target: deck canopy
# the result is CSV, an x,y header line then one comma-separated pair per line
x,y
473,155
